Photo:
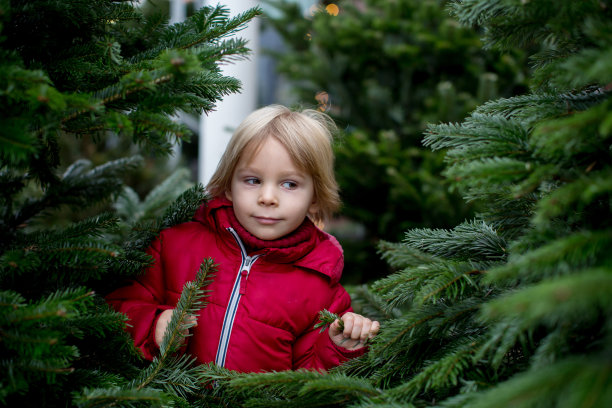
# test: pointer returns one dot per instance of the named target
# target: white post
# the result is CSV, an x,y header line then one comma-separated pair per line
x,y
178,11
217,128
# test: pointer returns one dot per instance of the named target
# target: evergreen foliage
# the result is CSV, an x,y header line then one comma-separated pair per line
x,y
386,69
95,69
513,307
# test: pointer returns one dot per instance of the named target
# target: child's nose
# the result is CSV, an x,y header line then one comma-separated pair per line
x,y
267,196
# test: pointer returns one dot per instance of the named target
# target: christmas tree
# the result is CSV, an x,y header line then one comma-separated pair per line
x,y
99,70
512,307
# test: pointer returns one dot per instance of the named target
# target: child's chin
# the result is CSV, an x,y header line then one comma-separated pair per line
x,y
268,235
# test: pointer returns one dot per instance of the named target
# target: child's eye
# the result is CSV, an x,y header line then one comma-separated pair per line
x,y
251,180
289,185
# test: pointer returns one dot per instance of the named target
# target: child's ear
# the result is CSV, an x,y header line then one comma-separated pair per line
x,y
314,208
228,195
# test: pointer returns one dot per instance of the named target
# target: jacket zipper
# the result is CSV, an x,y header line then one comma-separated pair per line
x,y
238,290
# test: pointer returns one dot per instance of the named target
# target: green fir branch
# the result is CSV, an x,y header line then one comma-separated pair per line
x,y
531,108
552,348
504,343
146,124
367,303
180,377
460,317
432,283
389,290
197,94
403,333
101,324
573,382
428,332
80,186
223,52
117,396
301,388
400,255
206,27
440,374
129,206
337,389
476,130
88,230
216,24
508,214
33,333
565,140
181,210
488,176
274,385
128,263
448,284
556,258
477,12
587,67
575,297
88,258
216,378
185,206
471,240
188,305
56,305
575,196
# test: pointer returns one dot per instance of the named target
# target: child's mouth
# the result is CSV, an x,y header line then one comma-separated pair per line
x,y
267,220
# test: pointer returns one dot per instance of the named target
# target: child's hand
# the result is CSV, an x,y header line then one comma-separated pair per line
x,y
162,324
357,331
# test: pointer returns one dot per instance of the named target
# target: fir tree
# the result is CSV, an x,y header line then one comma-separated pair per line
x,y
513,307
95,69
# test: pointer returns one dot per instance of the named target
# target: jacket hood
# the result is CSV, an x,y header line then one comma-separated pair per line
x,y
307,247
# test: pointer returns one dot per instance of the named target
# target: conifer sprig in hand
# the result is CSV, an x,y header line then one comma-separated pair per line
x,y
326,318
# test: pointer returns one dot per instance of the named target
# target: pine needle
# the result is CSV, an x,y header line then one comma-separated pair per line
x,y
326,318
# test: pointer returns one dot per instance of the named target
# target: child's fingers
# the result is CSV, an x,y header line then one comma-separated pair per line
x,y
355,332
374,329
162,323
349,322
356,328
365,330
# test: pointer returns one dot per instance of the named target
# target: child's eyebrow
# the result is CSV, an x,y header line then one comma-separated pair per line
x,y
287,174
293,174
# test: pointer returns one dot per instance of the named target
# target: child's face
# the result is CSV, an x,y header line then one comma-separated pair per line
x,y
271,196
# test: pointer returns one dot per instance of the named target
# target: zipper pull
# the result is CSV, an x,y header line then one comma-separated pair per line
x,y
243,281
248,263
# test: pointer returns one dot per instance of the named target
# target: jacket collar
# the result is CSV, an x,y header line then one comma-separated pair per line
x,y
307,247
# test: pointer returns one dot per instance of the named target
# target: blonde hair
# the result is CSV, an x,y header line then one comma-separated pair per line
x,y
307,135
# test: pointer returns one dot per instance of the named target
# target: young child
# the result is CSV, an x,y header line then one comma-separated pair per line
x,y
277,269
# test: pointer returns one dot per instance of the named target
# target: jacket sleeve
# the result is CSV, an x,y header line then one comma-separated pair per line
x,y
315,349
142,301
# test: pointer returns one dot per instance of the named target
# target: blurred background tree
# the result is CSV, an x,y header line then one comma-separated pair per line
x,y
383,70
104,73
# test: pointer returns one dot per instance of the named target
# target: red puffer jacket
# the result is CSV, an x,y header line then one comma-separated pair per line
x,y
264,299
